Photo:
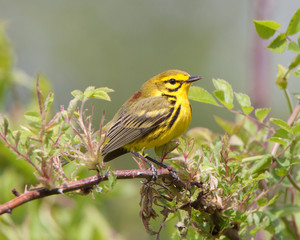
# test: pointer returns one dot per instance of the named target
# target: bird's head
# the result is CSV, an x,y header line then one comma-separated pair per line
x,y
170,82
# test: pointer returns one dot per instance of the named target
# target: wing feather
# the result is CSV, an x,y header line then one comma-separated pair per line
x,y
136,121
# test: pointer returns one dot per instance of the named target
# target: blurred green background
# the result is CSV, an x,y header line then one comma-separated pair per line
x,y
121,44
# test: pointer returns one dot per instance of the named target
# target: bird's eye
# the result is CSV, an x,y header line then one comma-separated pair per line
x,y
172,81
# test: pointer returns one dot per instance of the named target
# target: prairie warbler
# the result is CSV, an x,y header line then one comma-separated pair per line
x,y
157,113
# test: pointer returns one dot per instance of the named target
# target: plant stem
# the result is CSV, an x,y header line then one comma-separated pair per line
x,y
288,99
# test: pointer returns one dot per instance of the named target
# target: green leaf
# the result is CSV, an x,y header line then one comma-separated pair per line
x,y
281,124
33,116
294,25
223,92
281,172
281,133
297,95
297,72
296,129
201,95
277,140
262,164
283,162
112,179
278,45
244,101
227,126
295,62
72,106
5,126
266,29
89,91
261,113
77,94
262,201
294,47
285,210
274,199
281,78
101,93
48,102
261,176
17,137
98,93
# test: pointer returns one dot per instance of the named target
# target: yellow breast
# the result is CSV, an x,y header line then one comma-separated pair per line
x,y
172,128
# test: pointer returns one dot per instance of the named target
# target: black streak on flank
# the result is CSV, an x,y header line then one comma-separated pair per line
x,y
175,117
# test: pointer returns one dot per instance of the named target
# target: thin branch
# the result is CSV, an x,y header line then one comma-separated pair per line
x,y
85,185
293,181
21,154
247,116
288,99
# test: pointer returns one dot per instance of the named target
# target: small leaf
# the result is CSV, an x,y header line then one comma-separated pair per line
x,y
294,47
112,179
297,72
88,92
72,106
77,94
281,172
274,199
261,113
296,129
101,93
266,29
295,62
48,102
278,45
281,133
277,140
297,95
281,124
262,164
294,25
281,78
201,95
17,137
262,201
33,116
227,126
244,101
5,126
223,92
105,89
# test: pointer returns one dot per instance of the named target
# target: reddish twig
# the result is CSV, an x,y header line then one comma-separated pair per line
x,y
83,184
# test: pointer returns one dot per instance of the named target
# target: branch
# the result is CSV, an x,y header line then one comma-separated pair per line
x,y
85,185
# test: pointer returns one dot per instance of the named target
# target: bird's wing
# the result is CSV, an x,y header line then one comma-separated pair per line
x,y
136,121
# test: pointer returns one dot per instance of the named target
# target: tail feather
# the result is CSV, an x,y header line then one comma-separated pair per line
x,y
114,154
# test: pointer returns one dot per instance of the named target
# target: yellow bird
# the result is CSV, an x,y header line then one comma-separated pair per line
x,y
157,113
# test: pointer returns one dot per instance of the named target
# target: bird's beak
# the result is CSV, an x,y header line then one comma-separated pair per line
x,y
193,79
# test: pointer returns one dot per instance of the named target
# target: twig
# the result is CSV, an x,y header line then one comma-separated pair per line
x,y
83,184
247,116
293,181
21,154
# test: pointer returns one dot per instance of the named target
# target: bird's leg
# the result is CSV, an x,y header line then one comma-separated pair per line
x,y
150,159
172,172
153,168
